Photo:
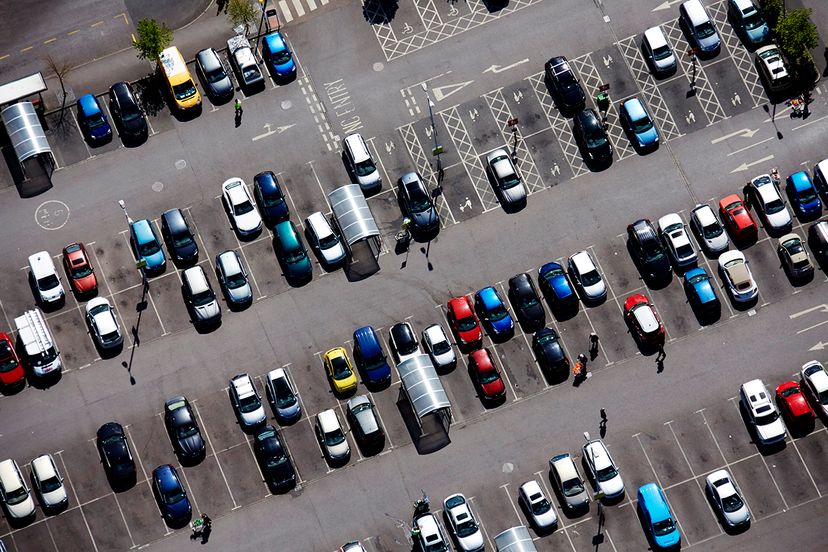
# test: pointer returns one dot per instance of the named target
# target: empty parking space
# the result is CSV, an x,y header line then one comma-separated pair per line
x,y
516,358
71,526
813,449
150,441
386,402
113,256
70,332
307,456
631,462
107,524
141,513
169,301
697,443
65,138
792,476
697,521
35,537
85,470
729,430
770,277
623,527
663,452
264,266
213,225
385,209
761,494
243,473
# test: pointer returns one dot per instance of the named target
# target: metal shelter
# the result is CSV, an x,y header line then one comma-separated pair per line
x,y
515,539
21,88
429,402
354,218
27,136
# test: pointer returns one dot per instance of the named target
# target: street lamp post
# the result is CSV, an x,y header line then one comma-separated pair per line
x,y
438,149
123,208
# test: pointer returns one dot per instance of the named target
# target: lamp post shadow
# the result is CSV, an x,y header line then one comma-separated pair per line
x,y
140,307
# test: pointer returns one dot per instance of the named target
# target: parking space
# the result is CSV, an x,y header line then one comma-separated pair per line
x,y
141,514
72,528
70,332
697,521
34,537
108,525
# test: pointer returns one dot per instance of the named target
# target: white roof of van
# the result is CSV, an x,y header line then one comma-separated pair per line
x,y
172,61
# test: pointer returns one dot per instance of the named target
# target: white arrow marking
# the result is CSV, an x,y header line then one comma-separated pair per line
x,y
819,308
281,129
818,347
744,133
666,5
501,68
443,92
746,166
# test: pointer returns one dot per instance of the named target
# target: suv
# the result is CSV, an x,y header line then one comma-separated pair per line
x,y
772,68
567,91
748,22
431,535
601,468
199,296
361,164
246,402
178,237
761,413
647,251
370,358
291,252
767,200
127,114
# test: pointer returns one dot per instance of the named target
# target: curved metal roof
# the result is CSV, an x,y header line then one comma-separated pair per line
x,y
352,213
515,539
23,127
423,385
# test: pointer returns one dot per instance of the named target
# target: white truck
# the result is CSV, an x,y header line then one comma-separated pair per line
x,y
40,350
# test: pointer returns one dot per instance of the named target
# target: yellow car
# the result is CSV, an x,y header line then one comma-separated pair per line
x,y
340,371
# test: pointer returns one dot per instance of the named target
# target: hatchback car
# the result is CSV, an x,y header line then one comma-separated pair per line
x,y
638,124
658,51
676,240
274,459
282,396
431,537
403,342
361,164
239,207
278,58
772,69
171,496
232,277
200,297
557,288
103,325
416,203
246,402
244,63
115,454
647,251
14,493
737,219
179,238
701,293
643,319
566,90
795,258
508,184
270,198
92,121
340,373
331,438
549,352
128,116
762,417
213,75
291,252
568,481
79,270
486,376
146,245
370,357
462,524
730,506
463,321
591,137
493,312
803,196
48,484
601,468
748,22
525,300
587,277
44,280
364,421
794,406
708,230
537,505
183,430
12,375
324,240
768,202
659,522
438,347
733,267
815,380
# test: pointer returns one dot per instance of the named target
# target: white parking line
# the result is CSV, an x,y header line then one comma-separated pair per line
x,y
146,477
476,513
811,477
149,294
523,335
542,478
512,502
215,454
77,501
319,183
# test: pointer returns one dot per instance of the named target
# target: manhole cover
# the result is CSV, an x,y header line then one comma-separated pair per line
x,y
379,66
52,214
508,467
157,186
180,164
286,104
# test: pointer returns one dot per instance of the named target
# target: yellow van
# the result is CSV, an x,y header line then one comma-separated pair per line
x,y
177,77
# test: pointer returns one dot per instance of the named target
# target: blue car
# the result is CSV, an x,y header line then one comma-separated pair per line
x,y
270,198
803,196
556,287
748,22
492,312
638,124
93,121
171,496
701,292
147,246
370,358
278,58
658,519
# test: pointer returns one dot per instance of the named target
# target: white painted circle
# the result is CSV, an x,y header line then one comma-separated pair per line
x,y
157,186
286,104
52,214
379,66
180,164
508,467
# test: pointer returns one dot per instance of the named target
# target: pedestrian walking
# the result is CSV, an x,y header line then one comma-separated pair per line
x,y
238,106
660,359
746,194
593,345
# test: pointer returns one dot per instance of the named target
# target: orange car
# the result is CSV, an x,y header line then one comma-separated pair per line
x,y
79,269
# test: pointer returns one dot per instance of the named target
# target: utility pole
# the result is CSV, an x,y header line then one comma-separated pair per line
x,y
438,149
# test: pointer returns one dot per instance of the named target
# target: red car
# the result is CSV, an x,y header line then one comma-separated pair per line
x,y
463,321
793,404
486,376
11,372
79,269
737,219
643,319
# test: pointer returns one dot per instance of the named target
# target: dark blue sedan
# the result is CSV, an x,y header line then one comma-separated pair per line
x,y
556,287
803,196
271,199
701,292
278,58
492,312
171,496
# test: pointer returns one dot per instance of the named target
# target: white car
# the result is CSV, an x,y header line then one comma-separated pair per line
x,y
462,523
601,468
709,230
232,278
282,396
772,66
240,207
331,438
727,498
246,402
674,235
587,277
102,323
45,279
509,185
566,477
13,491
324,240
768,201
199,296
438,347
816,384
538,506
735,272
658,51
432,538
48,484
762,414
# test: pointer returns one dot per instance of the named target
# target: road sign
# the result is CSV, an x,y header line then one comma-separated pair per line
x,y
512,122
140,265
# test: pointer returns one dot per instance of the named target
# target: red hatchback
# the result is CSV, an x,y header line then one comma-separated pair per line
x,y
11,372
737,219
643,319
793,404
463,321
486,376
79,269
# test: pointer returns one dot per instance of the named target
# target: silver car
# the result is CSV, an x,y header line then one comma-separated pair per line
x,y
601,468
508,181
282,397
727,498
102,322
324,240
233,279
568,481
658,51
587,277
246,402
462,524
709,231
199,296
438,347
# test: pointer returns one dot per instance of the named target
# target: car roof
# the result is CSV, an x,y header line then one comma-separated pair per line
x,y
738,272
275,42
460,305
756,393
175,220
428,525
231,262
744,5
489,297
645,316
410,177
801,181
267,182
435,332
820,380
319,224
565,467
598,453
196,279
668,220
122,91
327,420
143,230
355,143
531,487
276,373
402,330
43,466
243,385
654,501
588,119
41,264
209,60
655,36
583,262
559,64
635,109
704,214
236,189
89,104
104,320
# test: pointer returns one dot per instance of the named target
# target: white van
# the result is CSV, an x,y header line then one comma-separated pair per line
x,y
13,491
361,164
40,351
45,278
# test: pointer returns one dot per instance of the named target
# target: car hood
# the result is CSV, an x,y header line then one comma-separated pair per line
x,y
281,474
553,351
669,540
771,431
666,63
255,417
186,251
759,34
779,219
515,194
180,509
505,324
648,137
277,211
573,95
425,219
23,509
472,542
446,358
192,446
494,388
52,294
208,311
240,294
339,451
155,260
86,284
290,412
742,515
333,254
710,43
546,519
380,373
55,497
300,269
613,487
249,222
596,290
101,132
286,68
704,291
224,87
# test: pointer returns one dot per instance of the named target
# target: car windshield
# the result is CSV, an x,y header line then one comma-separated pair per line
x,y
51,484
806,196
328,241
7,364
642,125
705,30
732,503
498,313
753,21
251,73
591,278
272,200
284,396
768,418
510,181
233,281
339,368
182,239
419,200
793,246
595,138
684,251
712,230
130,113
149,248
528,300
292,257
242,208
441,347
44,358
466,528
466,324
699,278
540,506
249,404
664,527
567,80
489,376
187,430
652,251
110,337
81,271
605,474
215,76
365,168
572,487
16,496
281,57
275,461
662,52
184,90
334,437
204,298
174,496
96,121
774,206
48,282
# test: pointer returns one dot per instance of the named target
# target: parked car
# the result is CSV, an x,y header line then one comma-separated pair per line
x,y
281,393
127,113
246,402
748,22
182,428
48,484
146,245
658,519
370,357
353,546
79,270
737,219
239,206
818,240
278,58
270,198
803,196
700,28
525,300
462,524
763,418
568,481
566,90
93,121
647,251
339,371
768,202
232,277
638,124
701,292
643,319
815,380
551,357
364,421
541,511
361,164
44,279
14,492
463,321
171,496
486,376
403,342
291,252
601,468
493,312
12,375
214,77
772,69
795,258
730,506
331,438
508,184
821,178
591,137
115,454
737,277
659,52
588,279
199,296
557,288
103,325
244,63
416,203
674,234
430,533
438,347
794,406
709,231
179,238
274,459
324,240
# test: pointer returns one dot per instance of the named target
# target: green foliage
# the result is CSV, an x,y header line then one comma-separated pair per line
x,y
773,11
797,34
241,12
153,37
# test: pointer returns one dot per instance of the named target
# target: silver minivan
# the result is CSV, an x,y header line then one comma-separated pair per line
x,y
699,25
361,164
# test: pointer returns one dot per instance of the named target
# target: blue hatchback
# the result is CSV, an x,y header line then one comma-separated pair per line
x,y
803,196
638,124
171,496
147,246
277,56
270,198
493,312
556,287
658,519
93,121
369,356
700,292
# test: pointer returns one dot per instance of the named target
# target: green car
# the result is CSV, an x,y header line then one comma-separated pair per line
x,y
291,252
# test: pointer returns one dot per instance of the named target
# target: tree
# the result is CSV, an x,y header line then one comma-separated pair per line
x,y
153,37
61,69
797,33
241,12
773,10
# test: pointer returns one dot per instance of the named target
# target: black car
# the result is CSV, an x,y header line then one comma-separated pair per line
x,y
591,137
364,422
273,459
179,238
525,300
567,91
182,427
403,340
213,75
416,203
270,198
127,114
113,449
647,251
546,344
